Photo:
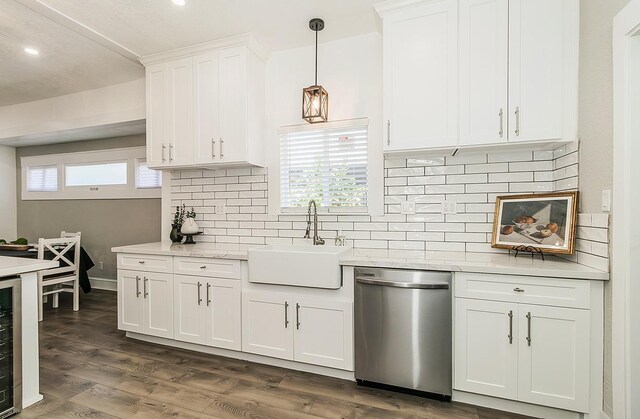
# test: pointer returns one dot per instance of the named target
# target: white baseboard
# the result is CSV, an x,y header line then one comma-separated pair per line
x,y
513,406
104,284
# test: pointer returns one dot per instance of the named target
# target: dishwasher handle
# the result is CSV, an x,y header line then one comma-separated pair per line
x,y
398,284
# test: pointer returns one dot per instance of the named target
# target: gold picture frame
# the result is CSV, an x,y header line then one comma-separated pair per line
x,y
545,222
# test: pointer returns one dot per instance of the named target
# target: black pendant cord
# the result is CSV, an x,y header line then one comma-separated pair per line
x,y
316,58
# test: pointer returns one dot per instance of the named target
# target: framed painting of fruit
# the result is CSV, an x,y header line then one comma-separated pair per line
x,y
544,221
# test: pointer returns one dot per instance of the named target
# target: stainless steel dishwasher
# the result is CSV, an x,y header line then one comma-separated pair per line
x,y
403,329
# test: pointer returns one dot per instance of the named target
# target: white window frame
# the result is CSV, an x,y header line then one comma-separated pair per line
x,y
131,155
375,181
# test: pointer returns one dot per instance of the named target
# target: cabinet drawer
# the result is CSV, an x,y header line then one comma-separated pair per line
x,y
149,263
219,268
524,289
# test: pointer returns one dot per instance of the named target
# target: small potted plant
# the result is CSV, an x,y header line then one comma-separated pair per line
x,y
189,225
176,225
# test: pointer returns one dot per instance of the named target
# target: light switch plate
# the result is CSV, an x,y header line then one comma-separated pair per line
x,y
606,200
408,208
449,207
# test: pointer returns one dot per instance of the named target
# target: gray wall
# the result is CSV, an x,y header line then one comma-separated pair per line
x,y
103,223
595,127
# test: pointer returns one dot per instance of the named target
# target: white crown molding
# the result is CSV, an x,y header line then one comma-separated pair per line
x,y
246,39
389,6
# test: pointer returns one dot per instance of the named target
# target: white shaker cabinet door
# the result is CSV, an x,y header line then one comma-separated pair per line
x,y
420,77
324,332
179,116
486,347
232,139
223,313
543,69
157,100
206,108
130,301
189,308
267,325
158,304
484,29
554,357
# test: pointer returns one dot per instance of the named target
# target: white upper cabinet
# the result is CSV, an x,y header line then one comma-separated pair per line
x,y
483,71
543,69
471,73
206,106
420,75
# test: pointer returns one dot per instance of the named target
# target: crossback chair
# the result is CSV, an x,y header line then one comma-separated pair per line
x,y
66,234
64,278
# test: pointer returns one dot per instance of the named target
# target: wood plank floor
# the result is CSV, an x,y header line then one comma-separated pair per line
x,y
89,369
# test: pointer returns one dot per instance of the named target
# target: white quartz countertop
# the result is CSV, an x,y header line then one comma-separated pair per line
x,y
496,263
436,261
203,250
16,266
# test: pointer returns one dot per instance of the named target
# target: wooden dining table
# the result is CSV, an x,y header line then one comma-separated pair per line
x,y
83,267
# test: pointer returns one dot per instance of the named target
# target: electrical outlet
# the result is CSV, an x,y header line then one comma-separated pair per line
x,y
408,208
101,265
449,207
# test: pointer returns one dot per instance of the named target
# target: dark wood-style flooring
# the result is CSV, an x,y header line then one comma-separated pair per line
x,y
88,369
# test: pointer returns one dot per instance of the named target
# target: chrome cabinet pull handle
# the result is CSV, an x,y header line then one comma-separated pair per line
x,y
141,262
164,147
297,316
517,120
137,286
510,336
199,286
518,290
286,314
144,287
221,144
170,152
213,148
208,297
388,132
501,115
203,267
528,329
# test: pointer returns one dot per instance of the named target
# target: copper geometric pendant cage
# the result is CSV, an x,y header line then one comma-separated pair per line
x,y
315,99
315,104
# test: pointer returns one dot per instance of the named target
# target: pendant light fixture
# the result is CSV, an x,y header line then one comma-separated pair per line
x,y
315,99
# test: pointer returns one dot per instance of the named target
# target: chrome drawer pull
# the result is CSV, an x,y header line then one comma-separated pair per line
x,y
528,329
199,286
510,336
203,267
141,262
137,286
286,314
518,290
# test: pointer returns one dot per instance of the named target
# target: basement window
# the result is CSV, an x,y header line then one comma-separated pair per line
x,y
325,162
103,174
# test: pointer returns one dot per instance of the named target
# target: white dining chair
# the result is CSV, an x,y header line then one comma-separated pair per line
x,y
64,278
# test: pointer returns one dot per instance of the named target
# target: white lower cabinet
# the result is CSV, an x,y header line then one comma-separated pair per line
x,y
486,353
531,353
553,365
145,303
299,328
207,311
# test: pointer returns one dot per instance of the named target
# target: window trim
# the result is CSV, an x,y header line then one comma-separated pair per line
x,y
132,155
374,177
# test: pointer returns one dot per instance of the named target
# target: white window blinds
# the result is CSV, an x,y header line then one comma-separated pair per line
x,y
328,165
147,178
42,179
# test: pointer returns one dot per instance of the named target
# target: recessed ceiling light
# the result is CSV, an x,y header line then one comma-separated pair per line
x,y
179,2
31,51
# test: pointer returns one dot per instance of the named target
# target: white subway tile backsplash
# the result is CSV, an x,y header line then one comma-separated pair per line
x,y
473,181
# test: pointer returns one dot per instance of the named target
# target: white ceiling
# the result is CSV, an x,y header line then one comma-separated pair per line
x,y
87,44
